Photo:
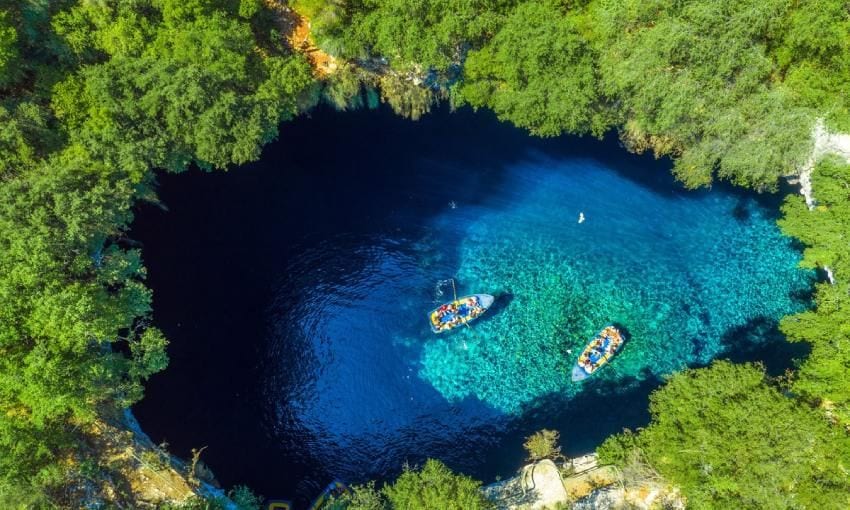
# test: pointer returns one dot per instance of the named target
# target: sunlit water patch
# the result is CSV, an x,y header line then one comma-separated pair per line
x,y
681,272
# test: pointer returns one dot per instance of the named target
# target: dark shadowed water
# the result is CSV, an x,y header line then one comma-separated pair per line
x,y
294,292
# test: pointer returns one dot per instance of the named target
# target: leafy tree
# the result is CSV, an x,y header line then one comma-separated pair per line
x,y
363,497
814,52
26,136
432,487
194,92
433,34
9,54
695,79
537,72
435,487
730,440
543,445
822,376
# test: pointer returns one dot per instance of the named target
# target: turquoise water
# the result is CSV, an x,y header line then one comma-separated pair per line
x,y
678,271
295,294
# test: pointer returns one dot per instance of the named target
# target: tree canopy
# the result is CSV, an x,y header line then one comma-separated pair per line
x,y
728,89
731,441
95,96
431,487
824,231
538,73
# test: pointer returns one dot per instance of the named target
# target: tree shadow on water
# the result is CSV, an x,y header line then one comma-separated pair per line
x,y
741,211
760,340
605,407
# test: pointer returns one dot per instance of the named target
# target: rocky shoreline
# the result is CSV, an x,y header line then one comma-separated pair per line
x,y
578,483
141,474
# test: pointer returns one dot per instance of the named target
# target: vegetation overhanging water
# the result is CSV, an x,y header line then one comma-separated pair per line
x,y
96,95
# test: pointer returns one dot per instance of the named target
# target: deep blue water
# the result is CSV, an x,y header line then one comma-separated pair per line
x,y
294,292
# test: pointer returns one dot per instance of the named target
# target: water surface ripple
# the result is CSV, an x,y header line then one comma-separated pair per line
x,y
294,292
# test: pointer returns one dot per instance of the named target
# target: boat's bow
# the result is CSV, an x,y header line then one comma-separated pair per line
x,y
579,374
485,300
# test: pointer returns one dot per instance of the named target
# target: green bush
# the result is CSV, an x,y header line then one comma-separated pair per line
x,y
543,445
823,376
730,440
432,487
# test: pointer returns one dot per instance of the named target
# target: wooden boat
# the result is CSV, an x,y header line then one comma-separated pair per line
x,y
598,352
448,316
334,489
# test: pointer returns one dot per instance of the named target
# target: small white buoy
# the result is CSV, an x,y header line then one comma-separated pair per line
x,y
581,217
453,205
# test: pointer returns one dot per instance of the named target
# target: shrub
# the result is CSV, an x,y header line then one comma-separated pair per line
x,y
543,445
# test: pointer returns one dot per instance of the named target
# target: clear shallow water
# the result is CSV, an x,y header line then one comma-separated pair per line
x,y
680,272
295,291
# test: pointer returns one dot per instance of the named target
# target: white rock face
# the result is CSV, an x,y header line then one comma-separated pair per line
x,y
545,482
538,487
824,143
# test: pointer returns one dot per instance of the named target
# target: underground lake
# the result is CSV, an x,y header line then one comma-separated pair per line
x,y
295,291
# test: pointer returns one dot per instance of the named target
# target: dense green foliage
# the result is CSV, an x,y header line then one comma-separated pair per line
x,y
430,34
731,441
823,377
240,496
186,88
537,72
730,89
696,79
95,95
543,445
433,487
